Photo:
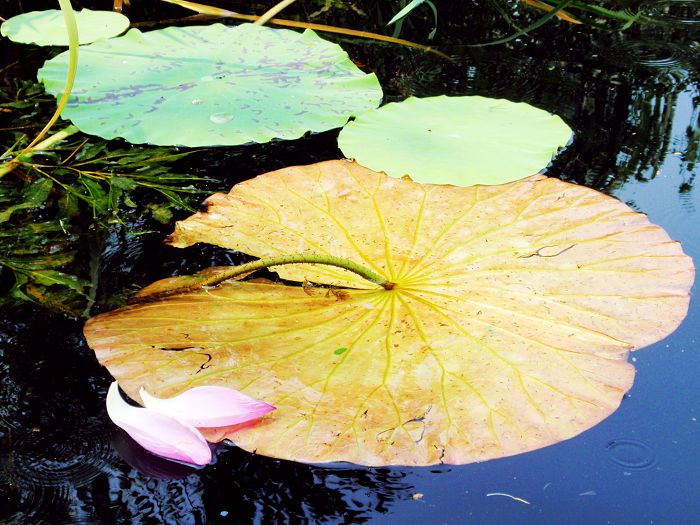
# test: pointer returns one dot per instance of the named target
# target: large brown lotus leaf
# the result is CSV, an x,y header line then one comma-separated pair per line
x,y
508,330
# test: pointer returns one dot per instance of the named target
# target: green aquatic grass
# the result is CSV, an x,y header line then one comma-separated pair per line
x,y
74,195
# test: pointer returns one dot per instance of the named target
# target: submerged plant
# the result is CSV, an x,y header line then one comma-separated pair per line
x,y
60,200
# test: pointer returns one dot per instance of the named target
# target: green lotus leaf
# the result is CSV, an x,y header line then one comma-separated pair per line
x,y
455,140
47,28
212,85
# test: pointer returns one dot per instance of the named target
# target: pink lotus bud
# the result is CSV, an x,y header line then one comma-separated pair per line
x,y
158,433
208,406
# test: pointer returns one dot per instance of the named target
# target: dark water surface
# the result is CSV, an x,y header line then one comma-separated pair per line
x,y
633,100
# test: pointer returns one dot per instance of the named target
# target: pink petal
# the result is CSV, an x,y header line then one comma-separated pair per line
x,y
156,432
208,406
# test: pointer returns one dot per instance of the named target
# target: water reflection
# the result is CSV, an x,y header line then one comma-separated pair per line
x,y
147,464
144,500
272,491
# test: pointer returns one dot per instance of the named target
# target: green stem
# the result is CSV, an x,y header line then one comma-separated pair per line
x,y
608,13
247,268
299,259
45,144
96,245
531,27
72,30
53,139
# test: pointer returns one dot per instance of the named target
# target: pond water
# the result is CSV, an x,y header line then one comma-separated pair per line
x,y
633,100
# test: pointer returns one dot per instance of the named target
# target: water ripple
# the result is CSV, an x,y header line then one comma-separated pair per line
x,y
653,54
682,12
40,505
51,460
631,454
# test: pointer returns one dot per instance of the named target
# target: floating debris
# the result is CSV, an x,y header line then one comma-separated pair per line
x,y
521,500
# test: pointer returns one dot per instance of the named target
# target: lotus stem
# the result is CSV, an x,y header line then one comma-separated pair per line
x,y
298,259
253,266
73,44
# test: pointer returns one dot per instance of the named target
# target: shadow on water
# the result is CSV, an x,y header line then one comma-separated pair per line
x,y
633,100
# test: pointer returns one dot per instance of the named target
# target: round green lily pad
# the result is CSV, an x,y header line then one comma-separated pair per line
x,y
212,85
47,28
455,140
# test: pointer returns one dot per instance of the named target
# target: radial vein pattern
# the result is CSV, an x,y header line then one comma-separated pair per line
x,y
508,329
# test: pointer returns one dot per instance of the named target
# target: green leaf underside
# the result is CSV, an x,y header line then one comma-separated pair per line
x,y
47,28
508,329
212,85
455,140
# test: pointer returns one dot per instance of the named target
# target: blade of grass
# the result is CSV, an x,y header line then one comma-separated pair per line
x,y
405,11
398,17
622,16
223,13
546,18
267,15
547,8
505,15
210,10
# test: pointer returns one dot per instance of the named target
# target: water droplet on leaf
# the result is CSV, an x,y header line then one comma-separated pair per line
x,y
221,118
